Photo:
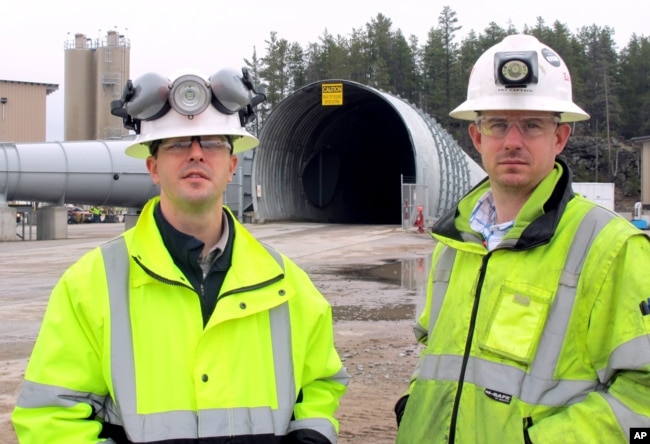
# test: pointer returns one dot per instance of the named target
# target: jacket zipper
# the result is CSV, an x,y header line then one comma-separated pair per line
x,y
252,287
468,348
157,277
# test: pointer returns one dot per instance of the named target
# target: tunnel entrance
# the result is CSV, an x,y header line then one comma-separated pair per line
x,y
354,172
334,164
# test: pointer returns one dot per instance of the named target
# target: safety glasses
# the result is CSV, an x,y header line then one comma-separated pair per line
x,y
529,126
180,145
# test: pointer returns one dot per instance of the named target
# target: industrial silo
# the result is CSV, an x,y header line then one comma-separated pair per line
x,y
113,58
95,75
79,89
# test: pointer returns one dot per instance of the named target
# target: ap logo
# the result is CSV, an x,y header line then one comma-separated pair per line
x,y
640,435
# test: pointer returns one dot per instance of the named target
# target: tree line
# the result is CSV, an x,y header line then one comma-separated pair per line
x,y
612,85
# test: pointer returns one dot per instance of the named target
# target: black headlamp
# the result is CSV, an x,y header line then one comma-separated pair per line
x,y
151,96
515,69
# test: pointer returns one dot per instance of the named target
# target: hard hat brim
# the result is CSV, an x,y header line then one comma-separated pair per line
x,y
209,123
470,109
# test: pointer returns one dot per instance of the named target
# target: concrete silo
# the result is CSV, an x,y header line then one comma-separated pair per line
x,y
79,80
95,74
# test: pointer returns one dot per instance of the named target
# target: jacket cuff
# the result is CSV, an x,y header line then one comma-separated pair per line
x,y
305,436
400,406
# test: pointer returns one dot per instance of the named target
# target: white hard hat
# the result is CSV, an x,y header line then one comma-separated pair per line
x,y
520,73
209,123
191,105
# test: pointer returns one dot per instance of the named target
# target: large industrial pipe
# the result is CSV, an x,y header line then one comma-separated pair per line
x,y
86,172
337,151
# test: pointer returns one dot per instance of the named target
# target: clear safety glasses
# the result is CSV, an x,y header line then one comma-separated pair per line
x,y
529,126
181,145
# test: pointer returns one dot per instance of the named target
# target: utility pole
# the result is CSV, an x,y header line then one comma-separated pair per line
x,y
613,169
3,101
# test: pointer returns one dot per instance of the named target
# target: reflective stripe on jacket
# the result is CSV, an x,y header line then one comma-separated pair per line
x,y
143,366
542,336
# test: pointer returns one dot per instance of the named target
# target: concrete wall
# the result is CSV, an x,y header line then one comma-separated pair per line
x,y
7,224
52,223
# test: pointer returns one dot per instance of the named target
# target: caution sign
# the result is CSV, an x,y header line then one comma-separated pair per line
x,y
332,94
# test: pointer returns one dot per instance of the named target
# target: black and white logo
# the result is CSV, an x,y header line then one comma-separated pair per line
x,y
498,396
639,434
551,57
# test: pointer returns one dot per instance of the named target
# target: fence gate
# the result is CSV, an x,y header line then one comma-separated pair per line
x,y
414,198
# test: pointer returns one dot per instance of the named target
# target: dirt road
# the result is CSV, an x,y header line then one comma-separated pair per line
x,y
374,277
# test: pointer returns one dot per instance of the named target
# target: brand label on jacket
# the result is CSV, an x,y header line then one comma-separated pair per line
x,y
498,396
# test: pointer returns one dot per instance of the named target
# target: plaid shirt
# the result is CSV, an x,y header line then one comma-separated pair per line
x,y
483,220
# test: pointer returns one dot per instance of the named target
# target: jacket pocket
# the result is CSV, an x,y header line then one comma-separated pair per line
x,y
516,322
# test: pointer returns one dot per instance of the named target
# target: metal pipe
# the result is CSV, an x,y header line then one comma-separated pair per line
x,y
82,172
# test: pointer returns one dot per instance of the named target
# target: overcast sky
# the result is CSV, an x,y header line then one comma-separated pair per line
x,y
168,36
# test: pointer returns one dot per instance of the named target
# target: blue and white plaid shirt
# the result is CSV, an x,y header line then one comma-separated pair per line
x,y
483,220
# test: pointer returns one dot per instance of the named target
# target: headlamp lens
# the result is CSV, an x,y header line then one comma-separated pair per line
x,y
514,70
190,95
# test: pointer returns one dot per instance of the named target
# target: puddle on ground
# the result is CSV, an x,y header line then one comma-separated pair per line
x,y
359,313
401,299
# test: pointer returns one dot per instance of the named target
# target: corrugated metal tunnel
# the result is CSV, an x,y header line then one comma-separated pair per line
x,y
345,163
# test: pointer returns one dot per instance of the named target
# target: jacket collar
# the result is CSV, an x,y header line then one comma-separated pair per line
x,y
251,262
186,250
537,221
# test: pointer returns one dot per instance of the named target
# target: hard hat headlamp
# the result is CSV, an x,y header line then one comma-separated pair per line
x,y
515,69
190,95
151,96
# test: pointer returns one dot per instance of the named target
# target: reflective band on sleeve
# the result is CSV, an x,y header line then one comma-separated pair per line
x,y
630,354
550,344
179,424
441,277
35,395
624,415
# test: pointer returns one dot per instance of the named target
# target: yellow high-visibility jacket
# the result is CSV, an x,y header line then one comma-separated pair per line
x,y
137,365
540,340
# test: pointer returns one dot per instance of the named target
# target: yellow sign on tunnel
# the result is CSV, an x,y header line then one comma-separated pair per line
x,y
332,94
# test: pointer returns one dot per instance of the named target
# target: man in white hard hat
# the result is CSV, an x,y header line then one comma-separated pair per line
x,y
185,328
536,327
